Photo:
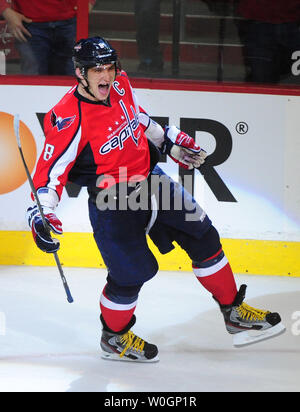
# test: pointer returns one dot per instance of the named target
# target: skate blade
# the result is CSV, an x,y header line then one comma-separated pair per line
x,y
246,338
116,357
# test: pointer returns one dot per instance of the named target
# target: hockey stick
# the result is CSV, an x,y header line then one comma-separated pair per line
x,y
17,133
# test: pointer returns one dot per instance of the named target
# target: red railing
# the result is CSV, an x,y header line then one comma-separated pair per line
x,y
83,19
162,84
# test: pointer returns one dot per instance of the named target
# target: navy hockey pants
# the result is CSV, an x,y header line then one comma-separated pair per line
x,y
121,238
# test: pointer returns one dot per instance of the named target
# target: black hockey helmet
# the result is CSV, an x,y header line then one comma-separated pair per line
x,y
92,52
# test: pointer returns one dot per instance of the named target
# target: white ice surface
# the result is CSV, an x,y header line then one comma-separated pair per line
x,y
49,345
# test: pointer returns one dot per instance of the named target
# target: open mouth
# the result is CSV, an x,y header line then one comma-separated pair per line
x,y
103,88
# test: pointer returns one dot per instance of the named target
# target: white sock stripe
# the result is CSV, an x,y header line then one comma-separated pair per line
x,y
116,306
202,272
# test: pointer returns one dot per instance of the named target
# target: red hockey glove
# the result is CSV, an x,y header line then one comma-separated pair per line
x,y
182,148
41,235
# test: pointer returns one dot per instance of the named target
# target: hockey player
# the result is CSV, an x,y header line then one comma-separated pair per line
x,y
99,137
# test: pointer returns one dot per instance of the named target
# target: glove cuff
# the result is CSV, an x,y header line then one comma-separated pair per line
x,y
172,132
166,147
48,198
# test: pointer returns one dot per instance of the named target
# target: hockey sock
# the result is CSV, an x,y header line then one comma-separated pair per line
x,y
117,311
216,276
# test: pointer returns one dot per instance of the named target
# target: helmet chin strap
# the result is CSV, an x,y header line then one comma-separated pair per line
x,y
87,87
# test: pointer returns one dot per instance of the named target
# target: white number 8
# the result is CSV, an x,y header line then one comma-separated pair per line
x,y
48,153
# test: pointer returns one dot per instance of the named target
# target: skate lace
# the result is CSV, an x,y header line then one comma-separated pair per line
x,y
131,341
248,313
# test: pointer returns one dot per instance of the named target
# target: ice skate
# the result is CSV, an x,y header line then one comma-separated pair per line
x,y
249,325
126,346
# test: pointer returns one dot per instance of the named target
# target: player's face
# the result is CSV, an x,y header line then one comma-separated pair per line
x,y
100,80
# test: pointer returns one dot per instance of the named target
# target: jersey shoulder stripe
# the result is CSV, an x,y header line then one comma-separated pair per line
x,y
62,126
64,161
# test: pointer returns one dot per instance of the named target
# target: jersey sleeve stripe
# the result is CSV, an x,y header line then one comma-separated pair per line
x,y
144,120
60,167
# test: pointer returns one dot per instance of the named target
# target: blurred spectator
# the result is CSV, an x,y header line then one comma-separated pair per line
x,y
269,31
45,33
147,13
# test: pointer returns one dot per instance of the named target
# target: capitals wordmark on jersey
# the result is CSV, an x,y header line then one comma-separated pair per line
x,y
123,132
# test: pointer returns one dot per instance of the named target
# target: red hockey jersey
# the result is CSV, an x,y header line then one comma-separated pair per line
x,y
43,10
275,11
86,139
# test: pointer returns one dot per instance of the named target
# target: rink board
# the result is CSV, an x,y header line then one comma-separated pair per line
x,y
258,257
252,133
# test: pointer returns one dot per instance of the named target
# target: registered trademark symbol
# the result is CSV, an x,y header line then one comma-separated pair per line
x,y
242,128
